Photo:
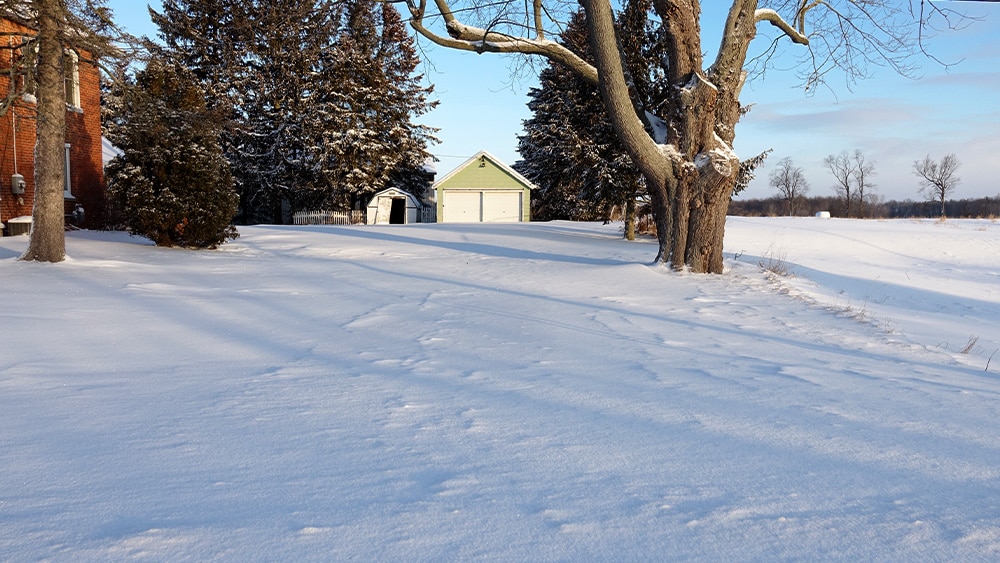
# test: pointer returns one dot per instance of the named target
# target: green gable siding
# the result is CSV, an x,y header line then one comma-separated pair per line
x,y
489,176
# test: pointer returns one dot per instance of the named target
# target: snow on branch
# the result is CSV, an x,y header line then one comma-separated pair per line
x,y
772,17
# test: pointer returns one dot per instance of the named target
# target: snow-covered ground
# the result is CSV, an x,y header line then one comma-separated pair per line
x,y
504,392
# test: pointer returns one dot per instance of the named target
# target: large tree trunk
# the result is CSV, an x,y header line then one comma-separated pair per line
x,y
48,242
692,172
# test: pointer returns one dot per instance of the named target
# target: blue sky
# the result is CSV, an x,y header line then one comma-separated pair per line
x,y
894,120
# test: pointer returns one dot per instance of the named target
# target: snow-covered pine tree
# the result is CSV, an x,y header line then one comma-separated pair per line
x,y
278,148
551,143
376,144
217,40
569,148
172,184
211,39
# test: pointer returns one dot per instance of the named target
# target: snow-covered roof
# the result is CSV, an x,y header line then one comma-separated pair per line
x,y
429,166
108,151
396,191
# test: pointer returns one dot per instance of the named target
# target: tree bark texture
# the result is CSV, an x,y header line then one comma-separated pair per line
x,y
48,242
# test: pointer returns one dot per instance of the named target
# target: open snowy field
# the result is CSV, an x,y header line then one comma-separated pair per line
x,y
504,392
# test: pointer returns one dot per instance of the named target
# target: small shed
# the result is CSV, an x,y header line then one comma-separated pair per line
x,y
483,189
393,206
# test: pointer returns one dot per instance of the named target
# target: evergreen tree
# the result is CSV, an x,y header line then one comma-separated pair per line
x,y
209,38
551,135
212,39
278,129
569,148
172,184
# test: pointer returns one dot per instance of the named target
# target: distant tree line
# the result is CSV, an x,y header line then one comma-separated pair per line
x,y
856,193
776,206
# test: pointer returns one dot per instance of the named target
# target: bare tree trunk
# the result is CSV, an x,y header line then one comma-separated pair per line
x,y
680,214
630,218
48,242
615,91
662,219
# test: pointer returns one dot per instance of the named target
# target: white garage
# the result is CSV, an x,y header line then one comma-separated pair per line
x,y
483,189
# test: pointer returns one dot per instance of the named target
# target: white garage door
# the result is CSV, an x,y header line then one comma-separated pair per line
x,y
463,206
501,207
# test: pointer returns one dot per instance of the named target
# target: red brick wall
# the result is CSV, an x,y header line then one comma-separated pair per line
x,y
83,133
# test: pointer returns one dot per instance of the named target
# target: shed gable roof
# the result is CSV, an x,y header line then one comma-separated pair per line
x,y
398,193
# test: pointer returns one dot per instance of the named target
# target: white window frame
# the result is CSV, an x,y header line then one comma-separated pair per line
x,y
72,79
68,184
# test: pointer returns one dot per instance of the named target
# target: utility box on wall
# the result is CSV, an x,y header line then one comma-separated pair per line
x,y
17,184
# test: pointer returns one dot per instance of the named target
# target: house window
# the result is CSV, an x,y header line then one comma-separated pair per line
x,y
67,192
71,71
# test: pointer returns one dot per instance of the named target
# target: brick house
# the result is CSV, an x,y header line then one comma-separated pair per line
x,y
85,175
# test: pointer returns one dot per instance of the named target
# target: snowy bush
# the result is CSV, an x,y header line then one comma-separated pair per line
x,y
172,184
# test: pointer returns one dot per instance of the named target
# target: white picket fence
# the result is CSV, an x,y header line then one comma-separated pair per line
x,y
328,217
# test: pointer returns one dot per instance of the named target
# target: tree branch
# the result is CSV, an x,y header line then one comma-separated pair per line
x,y
539,28
654,160
775,19
465,37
